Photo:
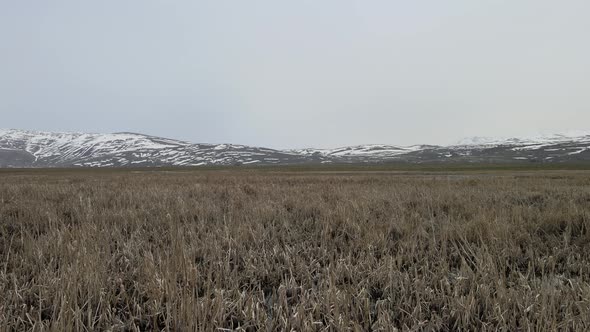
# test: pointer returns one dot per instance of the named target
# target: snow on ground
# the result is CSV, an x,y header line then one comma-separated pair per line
x,y
578,152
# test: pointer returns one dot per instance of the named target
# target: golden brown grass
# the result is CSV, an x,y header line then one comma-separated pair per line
x,y
260,251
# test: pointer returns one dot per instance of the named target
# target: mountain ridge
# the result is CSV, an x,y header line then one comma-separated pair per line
x,y
28,148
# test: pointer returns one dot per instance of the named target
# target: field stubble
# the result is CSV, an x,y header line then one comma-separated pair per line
x,y
261,251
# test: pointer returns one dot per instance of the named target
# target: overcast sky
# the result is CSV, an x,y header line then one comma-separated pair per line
x,y
283,74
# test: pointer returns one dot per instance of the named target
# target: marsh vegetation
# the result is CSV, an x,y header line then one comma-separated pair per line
x,y
305,251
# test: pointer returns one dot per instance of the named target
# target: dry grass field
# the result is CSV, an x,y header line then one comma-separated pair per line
x,y
294,251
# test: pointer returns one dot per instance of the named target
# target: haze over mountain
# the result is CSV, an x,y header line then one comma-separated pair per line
x,y
20,148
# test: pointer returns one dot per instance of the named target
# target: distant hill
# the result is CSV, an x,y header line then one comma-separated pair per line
x,y
21,148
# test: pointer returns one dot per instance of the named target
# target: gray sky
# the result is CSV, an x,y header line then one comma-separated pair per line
x,y
296,73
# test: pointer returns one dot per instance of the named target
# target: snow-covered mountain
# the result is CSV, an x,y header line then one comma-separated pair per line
x,y
538,140
46,149
361,153
20,148
559,147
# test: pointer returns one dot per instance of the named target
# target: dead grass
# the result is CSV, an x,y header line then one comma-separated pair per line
x,y
258,251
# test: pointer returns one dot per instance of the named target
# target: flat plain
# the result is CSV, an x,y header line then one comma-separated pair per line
x,y
281,249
